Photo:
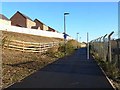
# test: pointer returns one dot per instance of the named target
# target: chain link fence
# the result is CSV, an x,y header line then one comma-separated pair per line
x,y
107,49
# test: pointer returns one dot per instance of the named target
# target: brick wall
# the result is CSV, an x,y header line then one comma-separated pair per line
x,y
39,24
18,20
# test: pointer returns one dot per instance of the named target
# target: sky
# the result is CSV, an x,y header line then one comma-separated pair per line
x,y
96,18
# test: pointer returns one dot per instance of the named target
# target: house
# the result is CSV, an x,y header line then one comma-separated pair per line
x,y
41,25
4,20
51,29
45,27
36,27
21,20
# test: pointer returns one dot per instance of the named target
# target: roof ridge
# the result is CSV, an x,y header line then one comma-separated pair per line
x,y
24,15
4,17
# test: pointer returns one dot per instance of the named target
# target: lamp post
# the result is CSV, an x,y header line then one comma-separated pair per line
x,y
87,45
80,42
65,32
77,40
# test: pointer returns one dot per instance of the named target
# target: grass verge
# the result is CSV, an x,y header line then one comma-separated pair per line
x,y
110,69
17,65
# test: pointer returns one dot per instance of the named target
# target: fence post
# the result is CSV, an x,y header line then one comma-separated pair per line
x,y
95,45
23,46
53,43
88,56
109,47
104,48
118,60
100,46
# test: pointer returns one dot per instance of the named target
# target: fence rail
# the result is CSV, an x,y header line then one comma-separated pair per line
x,y
29,46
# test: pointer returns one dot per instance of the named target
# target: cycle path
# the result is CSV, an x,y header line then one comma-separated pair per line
x,y
73,71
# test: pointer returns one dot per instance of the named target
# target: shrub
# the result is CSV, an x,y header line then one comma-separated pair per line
x,y
58,52
68,48
51,51
112,70
61,48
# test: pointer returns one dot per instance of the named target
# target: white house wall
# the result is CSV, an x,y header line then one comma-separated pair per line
x,y
32,31
30,23
5,22
45,27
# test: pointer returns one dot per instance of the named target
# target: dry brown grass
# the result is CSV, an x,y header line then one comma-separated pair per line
x,y
29,38
18,65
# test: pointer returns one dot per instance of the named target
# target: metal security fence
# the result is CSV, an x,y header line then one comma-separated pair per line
x,y
115,52
107,49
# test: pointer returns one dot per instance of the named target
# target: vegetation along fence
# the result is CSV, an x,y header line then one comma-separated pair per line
x,y
29,46
107,49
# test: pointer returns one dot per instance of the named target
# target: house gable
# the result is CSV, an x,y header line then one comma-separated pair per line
x,y
18,20
4,17
4,20
45,27
51,29
39,23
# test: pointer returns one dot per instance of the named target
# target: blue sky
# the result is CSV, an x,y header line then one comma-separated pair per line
x,y
96,18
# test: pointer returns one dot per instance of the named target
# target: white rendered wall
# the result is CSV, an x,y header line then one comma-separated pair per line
x,y
5,22
32,31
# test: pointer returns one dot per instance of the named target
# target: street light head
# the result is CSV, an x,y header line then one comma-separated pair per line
x,y
66,13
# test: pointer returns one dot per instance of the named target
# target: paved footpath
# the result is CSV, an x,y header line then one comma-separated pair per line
x,y
73,71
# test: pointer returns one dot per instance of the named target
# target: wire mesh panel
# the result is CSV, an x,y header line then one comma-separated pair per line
x,y
107,50
116,52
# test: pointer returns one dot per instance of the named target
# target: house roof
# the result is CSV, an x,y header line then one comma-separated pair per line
x,y
44,24
39,21
24,15
4,17
51,28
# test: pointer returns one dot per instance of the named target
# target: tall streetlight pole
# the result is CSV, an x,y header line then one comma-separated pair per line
x,y
65,32
87,45
77,39
80,42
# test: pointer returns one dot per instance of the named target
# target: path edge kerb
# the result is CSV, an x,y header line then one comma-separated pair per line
x,y
105,74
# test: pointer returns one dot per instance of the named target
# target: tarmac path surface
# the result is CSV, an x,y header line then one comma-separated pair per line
x,y
73,71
